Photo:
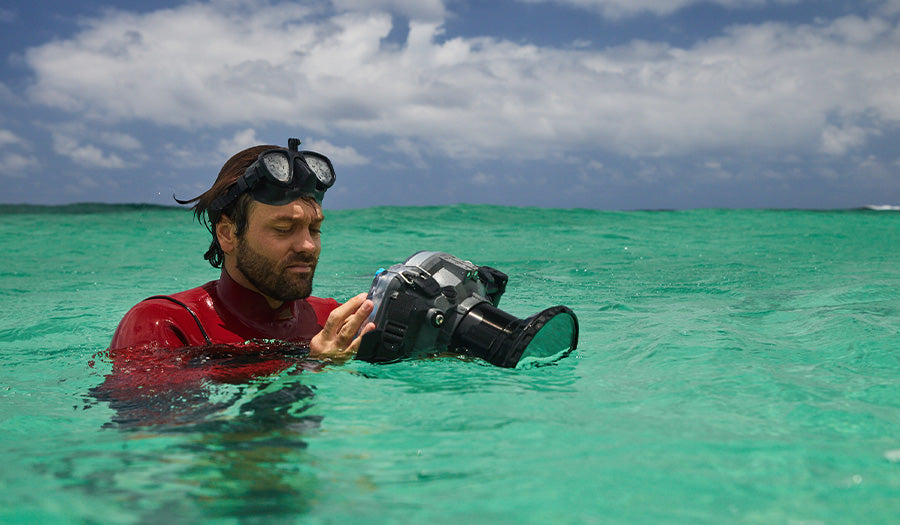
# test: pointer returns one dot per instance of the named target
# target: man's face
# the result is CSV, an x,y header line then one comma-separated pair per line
x,y
280,248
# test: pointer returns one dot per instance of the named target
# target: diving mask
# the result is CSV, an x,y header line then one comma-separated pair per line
x,y
279,176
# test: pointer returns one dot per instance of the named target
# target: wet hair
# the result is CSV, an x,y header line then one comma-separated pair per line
x,y
237,211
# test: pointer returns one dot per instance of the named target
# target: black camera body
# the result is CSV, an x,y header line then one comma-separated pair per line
x,y
435,302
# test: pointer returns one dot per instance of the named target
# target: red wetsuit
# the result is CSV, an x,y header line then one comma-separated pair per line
x,y
168,349
219,312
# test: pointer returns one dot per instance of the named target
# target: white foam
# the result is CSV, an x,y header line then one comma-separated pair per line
x,y
893,455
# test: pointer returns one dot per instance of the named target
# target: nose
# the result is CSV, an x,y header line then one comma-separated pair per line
x,y
304,241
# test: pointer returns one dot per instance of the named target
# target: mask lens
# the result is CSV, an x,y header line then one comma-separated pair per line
x,y
278,166
321,168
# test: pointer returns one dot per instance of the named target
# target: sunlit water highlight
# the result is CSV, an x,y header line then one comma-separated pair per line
x,y
733,367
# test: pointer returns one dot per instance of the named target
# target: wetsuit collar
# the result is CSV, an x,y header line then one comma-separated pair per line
x,y
250,306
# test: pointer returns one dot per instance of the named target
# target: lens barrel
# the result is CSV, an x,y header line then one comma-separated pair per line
x,y
505,340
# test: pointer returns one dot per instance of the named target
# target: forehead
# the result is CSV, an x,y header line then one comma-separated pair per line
x,y
300,210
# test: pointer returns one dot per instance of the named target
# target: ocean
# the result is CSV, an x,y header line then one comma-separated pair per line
x,y
733,366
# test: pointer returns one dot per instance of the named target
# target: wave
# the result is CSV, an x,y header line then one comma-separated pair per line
x,y
881,207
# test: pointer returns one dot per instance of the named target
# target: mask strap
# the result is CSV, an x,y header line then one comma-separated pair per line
x,y
235,191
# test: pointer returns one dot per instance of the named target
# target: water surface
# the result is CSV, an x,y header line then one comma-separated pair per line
x,y
734,366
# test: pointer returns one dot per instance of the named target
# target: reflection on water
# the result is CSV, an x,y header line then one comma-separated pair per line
x,y
216,430
164,387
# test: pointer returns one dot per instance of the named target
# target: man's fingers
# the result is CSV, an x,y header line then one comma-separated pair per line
x,y
344,321
354,346
341,335
337,316
356,319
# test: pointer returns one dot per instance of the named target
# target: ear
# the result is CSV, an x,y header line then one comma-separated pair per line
x,y
225,234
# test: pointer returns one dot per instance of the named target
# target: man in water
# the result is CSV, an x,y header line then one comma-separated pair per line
x,y
265,214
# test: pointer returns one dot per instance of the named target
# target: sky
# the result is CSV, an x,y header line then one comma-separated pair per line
x,y
602,104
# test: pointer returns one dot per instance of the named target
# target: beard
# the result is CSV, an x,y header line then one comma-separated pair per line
x,y
271,277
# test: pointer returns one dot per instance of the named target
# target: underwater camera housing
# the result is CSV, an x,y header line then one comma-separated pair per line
x,y
435,303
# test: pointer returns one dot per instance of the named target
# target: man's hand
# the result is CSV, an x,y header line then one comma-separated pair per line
x,y
338,340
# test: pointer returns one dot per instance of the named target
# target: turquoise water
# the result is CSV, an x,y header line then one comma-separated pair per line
x,y
733,367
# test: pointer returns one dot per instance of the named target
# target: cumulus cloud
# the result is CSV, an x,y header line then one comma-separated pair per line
x,y
7,137
88,155
122,141
623,8
427,10
342,155
890,7
17,165
16,160
839,140
234,63
241,140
